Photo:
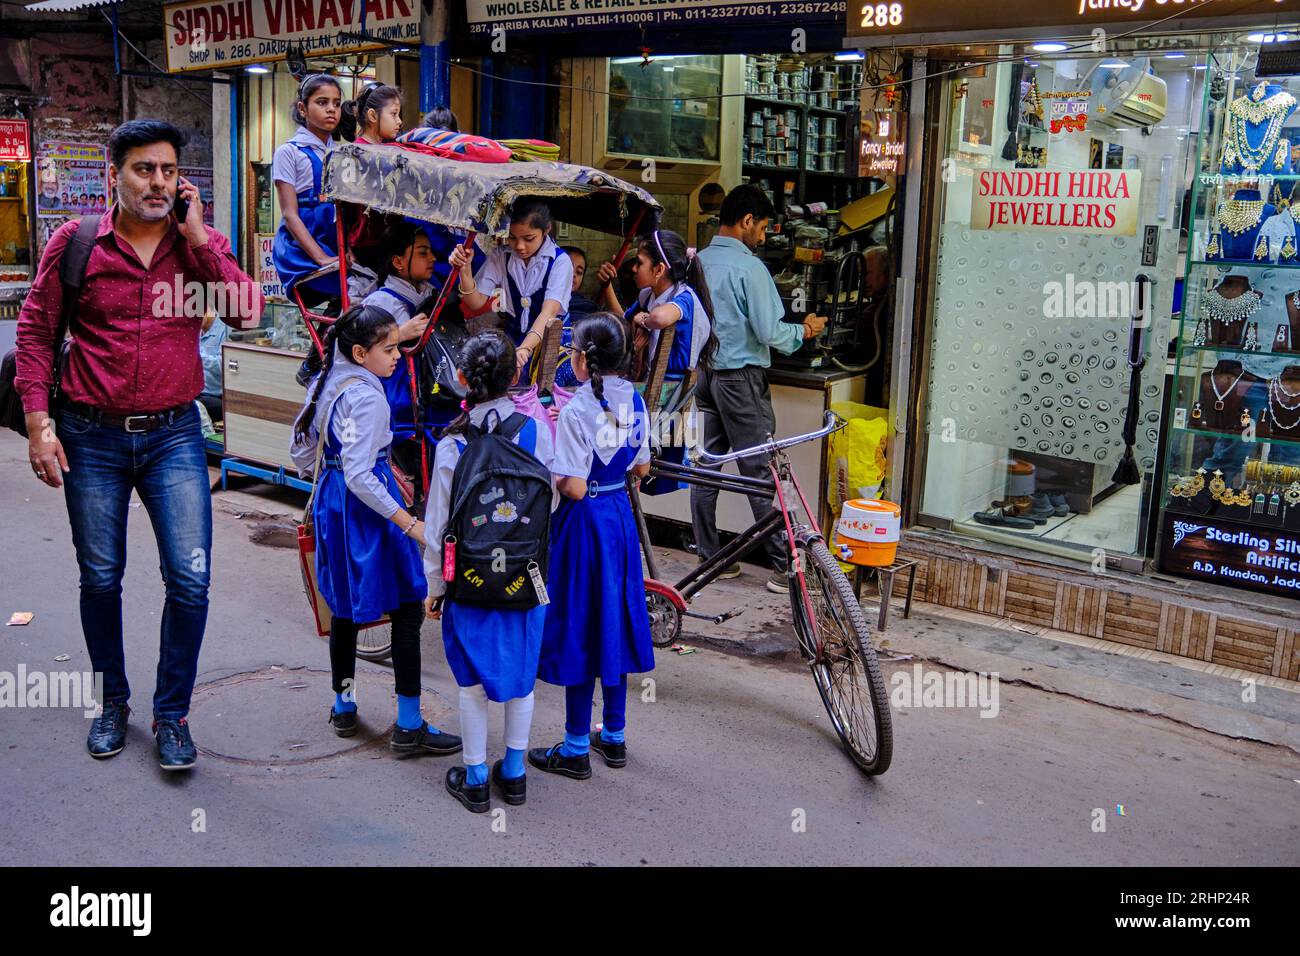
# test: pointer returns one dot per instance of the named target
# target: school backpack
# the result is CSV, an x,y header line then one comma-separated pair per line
x,y
496,544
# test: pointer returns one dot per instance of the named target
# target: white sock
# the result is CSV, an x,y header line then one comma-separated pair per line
x,y
473,724
519,720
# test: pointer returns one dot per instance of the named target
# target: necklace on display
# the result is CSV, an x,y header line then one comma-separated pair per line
x,y
1220,308
1275,401
1256,110
1239,216
1218,405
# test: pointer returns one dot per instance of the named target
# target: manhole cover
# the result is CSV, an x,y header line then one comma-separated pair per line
x,y
277,715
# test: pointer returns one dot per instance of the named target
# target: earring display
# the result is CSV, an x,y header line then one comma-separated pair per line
x,y
1250,341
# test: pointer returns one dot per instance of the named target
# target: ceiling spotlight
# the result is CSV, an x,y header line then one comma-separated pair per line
x,y
1050,47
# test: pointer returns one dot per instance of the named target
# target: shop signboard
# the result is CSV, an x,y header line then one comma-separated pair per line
x,y
546,16
1233,554
267,274
213,34
882,23
15,141
1098,202
883,149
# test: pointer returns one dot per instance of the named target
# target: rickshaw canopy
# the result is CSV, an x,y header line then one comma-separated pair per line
x,y
476,197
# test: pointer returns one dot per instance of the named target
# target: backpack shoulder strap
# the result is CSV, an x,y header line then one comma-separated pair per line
x,y
513,425
72,266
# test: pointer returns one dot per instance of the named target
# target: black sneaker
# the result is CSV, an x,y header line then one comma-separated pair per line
x,y
408,743
108,731
550,760
615,754
345,722
176,749
514,791
778,583
475,799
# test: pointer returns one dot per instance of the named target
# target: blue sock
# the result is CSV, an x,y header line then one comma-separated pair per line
x,y
574,746
614,697
476,774
513,766
342,706
408,714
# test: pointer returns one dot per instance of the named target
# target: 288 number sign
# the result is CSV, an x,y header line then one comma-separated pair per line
x,y
882,14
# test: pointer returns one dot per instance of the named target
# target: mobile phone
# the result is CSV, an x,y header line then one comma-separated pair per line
x,y
182,205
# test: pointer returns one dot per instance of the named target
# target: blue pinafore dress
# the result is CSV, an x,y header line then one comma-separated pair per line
x,y
318,216
524,315
365,565
496,648
397,387
596,624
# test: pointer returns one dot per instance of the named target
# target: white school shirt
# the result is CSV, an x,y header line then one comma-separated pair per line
x,y
647,301
394,306
438,513
585,430
360,426
528,277
289,165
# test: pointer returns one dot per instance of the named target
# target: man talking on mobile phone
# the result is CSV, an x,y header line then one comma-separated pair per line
x,y
125,418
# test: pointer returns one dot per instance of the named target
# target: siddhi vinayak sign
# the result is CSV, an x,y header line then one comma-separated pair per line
x,y
212,34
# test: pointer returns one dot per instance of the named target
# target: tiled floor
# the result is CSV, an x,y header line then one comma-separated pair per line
x,y
1112,524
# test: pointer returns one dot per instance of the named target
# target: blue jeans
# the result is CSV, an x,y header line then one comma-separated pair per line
x,y
168,467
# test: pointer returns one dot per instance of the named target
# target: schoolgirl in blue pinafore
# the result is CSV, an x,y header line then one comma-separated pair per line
x,y
291,261
367,559
597,628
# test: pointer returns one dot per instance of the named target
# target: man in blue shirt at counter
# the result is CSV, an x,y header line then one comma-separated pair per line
x,y
733,398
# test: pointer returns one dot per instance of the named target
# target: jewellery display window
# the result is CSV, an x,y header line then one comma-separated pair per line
x,y
1232,454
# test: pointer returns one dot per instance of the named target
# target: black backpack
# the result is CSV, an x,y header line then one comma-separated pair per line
x,y
496,544
72,273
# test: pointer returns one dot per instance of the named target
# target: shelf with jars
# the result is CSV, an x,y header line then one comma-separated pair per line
x,y
1231,495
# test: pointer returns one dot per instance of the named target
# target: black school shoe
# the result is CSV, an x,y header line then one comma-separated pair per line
x,y
345,722
615,754
108,731
176,750
513,792
474,798
550,760
408,743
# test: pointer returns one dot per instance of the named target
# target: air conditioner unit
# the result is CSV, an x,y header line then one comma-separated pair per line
x,y
1127,97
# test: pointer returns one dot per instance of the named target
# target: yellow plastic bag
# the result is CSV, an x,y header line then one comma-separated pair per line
x,y
858,464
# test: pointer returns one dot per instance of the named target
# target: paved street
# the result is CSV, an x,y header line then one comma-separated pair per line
x,y
723,759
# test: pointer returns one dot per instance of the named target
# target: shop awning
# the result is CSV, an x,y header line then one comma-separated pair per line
x,y
67,6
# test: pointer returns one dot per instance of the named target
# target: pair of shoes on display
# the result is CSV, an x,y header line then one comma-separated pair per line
x,y
476,797
998,518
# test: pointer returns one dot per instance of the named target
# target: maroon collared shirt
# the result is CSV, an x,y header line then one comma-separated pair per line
x,y
135,347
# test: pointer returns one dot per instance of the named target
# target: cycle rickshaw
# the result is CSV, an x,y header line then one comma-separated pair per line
x,y
473,199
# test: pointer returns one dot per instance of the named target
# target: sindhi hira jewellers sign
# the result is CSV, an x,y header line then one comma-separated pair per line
x,y
1093,201
946,18
1233,554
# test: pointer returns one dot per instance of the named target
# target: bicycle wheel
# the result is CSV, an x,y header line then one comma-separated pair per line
x,y
836,641
665,620
375,643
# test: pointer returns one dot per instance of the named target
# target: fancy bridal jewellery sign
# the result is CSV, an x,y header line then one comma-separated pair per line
x,y
1091,201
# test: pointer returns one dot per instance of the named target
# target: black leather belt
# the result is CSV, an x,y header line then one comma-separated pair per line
x,y
144,422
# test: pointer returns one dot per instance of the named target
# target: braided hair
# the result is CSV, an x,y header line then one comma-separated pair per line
x,y
667,247
362,325
603,339
487,360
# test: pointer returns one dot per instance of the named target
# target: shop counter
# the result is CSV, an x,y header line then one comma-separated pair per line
x,y
261,399
800,400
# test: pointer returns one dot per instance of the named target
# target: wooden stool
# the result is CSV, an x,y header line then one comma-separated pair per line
x,y
885,581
